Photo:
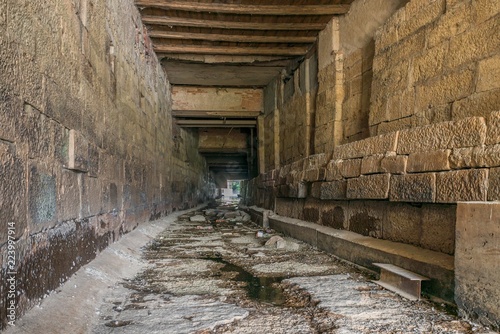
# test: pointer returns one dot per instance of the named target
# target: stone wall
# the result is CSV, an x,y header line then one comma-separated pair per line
x,y
436,60
476,262
87,146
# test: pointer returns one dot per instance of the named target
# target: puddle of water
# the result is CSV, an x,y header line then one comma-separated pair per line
x,y
263,289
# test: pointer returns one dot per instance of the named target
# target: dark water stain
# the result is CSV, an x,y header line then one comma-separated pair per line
x,y
263,289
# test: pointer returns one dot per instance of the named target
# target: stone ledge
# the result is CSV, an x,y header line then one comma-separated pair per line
x,y
364,251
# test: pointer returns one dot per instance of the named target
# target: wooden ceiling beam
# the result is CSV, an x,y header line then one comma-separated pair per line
x,y
215,114
246,9
231,50
183,22
231,38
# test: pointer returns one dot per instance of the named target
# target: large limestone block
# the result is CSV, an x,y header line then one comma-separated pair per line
x,y
369,187
471,157
332,171
489,74
413,187
451,87
12,191
78,151
333,190
372,164
394,164
461,185
428,161
477,269
369,146
349,168
494,184
446,135
493,133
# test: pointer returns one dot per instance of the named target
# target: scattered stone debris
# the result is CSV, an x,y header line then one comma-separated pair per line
x,y
228,275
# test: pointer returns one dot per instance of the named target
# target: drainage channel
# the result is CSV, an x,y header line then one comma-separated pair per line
x,y
262,289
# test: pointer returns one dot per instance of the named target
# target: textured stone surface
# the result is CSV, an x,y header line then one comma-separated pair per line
x,y
333,190
493,132
368,187
428,161
372,164
349,168
447,135
463,185
394,164
484,156
373,145
494,184
476,261
413,188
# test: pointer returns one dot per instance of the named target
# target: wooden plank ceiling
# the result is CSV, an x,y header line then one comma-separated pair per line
x,y
234,43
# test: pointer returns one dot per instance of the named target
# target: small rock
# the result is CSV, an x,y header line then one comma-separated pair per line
x,y
276,242
198,218
210,213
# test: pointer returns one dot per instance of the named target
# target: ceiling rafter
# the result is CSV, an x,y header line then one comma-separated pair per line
x,y
232,50
186,22
232,38
243,9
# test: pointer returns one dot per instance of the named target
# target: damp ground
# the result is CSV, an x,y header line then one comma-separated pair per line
x,y
213,270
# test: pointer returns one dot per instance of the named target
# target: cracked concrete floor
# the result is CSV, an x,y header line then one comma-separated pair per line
x,y
217,276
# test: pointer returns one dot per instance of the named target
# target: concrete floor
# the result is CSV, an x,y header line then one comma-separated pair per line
x,y
217,275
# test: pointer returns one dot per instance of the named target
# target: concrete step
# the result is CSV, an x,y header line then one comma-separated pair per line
x,y
365,251
403,282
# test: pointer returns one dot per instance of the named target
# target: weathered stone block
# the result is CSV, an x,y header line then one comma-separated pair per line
x,y
452,23
476,262
493,132
462,185
68,195
349,168
335,215
369,187
42,196
462,133
484,156
394,164
413,188
488,74
485,9
428,161
369,146
332,171
371,164
367,217
472,44
333,190
12,191
403,224
429,64
316,174
494,184
481,104
420,15
451,87
438,227
90,188
78,152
